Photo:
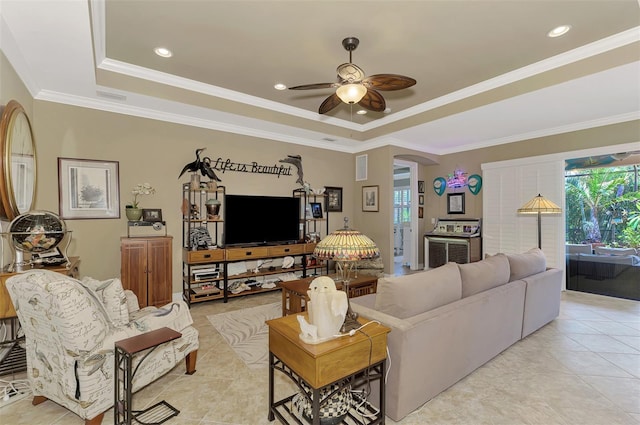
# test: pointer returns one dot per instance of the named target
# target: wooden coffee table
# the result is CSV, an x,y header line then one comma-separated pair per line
x,y
295,298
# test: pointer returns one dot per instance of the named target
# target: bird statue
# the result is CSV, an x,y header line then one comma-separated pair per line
x,y
193,166
207,170
297,161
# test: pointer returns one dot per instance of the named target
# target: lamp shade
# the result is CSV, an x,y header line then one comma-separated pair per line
x,y
346,245
539,204
351,93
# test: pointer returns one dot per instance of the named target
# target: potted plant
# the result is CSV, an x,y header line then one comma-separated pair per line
x,y
133,211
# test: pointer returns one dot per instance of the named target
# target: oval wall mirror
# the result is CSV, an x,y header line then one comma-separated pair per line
x,y
18,176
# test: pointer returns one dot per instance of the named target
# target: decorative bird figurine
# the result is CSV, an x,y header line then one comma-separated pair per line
x,y
193,166
207,170
297,161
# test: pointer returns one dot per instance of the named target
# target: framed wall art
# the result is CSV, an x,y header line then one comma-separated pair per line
x,y
88,189
455,203
370,201
151,214
420,186
316,209
334,199
420,199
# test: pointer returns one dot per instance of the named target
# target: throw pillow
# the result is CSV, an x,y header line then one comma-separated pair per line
x,y
527,264
483,275
111,293
406,296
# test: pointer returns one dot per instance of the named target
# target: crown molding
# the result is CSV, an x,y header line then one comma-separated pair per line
x,y
584,125
242,126
597,47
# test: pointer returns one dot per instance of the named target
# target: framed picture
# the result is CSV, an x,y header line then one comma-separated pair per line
x,y
455,203
420,212
420,199
151,214
88,189
334,199
316,209
420,186
370,201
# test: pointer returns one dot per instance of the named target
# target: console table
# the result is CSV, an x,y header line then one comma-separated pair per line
x,y
294,292
355,360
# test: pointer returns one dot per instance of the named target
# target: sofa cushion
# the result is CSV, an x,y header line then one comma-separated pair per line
x,y
483,275
406,296
603,250
526,264
111,293
572,248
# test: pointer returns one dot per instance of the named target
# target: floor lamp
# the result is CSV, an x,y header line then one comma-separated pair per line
x,y
539,205
346,247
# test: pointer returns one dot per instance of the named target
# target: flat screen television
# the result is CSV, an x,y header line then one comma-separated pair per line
x,y
261,220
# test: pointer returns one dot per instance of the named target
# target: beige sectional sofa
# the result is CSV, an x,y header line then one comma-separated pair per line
x,y
447,322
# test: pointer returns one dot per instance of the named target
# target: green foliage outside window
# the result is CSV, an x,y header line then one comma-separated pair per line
x,y
603,205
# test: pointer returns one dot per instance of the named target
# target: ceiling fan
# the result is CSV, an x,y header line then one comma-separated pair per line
x,y
352,86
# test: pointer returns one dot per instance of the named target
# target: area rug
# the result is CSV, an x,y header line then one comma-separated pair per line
x,y
246,332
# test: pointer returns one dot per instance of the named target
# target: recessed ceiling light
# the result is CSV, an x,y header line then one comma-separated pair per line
x,y
280,86
361,112
558,31
163,52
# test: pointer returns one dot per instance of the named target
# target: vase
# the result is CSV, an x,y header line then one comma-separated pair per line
x,y
134,214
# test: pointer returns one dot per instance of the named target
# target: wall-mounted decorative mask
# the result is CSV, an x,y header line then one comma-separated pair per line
x,y
439,185
474,183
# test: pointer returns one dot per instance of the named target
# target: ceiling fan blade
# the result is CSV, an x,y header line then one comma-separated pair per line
x,y
315,86
373,101
329,103
388,82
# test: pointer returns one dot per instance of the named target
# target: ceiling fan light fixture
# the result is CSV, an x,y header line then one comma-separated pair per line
x,y
351,93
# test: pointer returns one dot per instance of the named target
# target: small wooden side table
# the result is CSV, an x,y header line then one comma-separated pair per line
x,y
15,358
356,360
294,292
124,351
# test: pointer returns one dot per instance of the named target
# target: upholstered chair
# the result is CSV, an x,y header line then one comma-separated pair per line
x,y
70,329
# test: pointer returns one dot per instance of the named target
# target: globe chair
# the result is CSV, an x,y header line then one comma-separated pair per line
x,y
70,329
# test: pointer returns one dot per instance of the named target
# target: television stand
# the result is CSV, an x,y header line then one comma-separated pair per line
x,y
196,263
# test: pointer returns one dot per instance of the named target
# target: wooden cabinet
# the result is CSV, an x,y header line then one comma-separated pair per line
x,y
146,269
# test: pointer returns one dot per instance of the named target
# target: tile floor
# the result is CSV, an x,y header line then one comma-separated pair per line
x,y
582,369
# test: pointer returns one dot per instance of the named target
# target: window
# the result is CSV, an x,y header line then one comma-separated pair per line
x,y
603,205
401,205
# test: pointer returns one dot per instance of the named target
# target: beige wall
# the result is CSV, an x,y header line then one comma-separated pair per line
x,y
470,161
155,152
